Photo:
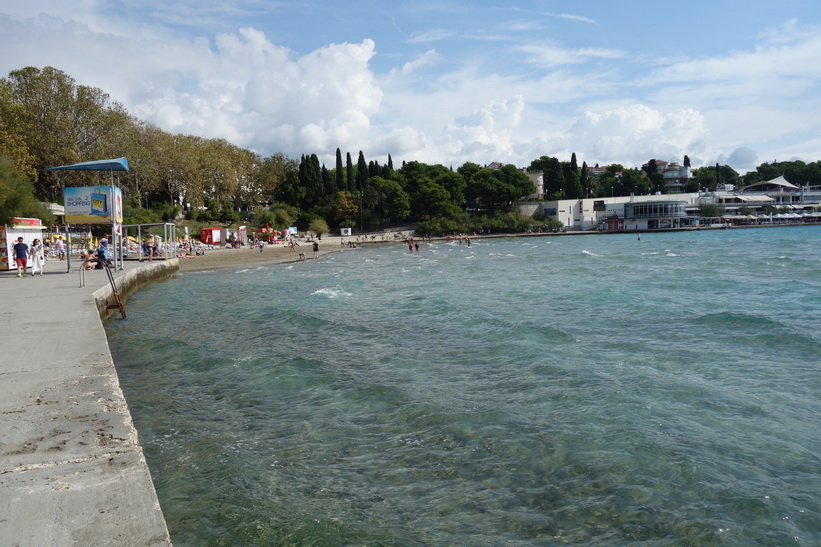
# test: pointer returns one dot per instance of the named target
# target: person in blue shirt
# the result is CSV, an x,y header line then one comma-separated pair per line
x,y
21,255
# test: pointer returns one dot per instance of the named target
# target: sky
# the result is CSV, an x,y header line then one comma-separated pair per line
x,y
449,81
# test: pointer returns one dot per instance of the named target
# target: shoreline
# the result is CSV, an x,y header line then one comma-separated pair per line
x,y
222,258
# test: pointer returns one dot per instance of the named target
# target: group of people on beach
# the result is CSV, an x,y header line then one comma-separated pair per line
x,y
22,253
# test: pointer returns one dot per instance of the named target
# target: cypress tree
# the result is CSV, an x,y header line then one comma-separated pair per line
x,y
584,182
340,174
328,184
361,172
349,182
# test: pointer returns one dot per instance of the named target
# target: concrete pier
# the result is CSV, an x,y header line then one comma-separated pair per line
x,y
72,471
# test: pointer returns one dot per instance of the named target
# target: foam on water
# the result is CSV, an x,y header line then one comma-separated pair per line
x,y
381,397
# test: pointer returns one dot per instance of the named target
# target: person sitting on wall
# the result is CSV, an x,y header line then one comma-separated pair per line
x,y
88,256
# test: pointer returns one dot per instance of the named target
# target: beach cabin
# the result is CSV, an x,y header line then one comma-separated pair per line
x,y
27,228
211,236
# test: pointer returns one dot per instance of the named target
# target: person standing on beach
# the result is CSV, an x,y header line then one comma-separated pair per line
x,y
38,257
316,249
60,247
21,256
261,244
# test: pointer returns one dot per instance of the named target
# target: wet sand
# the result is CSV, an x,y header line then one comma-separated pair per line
x,y
246,256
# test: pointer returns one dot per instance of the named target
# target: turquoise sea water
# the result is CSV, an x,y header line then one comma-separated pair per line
x,y
526,391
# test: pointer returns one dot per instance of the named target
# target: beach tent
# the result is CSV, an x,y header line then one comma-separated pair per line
x,y
117,164
779,183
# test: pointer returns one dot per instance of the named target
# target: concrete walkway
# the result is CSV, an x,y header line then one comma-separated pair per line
x,y
72,471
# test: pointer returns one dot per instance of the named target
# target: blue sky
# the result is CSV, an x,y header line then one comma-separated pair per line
x,y
450,81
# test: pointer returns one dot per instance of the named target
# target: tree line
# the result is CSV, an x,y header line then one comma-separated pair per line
x,y
47,119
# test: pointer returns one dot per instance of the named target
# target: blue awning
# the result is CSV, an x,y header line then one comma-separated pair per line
x,y
119,164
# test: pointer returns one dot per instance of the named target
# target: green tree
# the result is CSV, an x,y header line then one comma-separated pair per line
x,y
272,172
495,188
345,210
710,210
310,177
17,195
387,170
318,226
656,177
450,180
340,174
60,121
586,182
13,145
361,172
553,179
704,178
572,183
284,215
392,203
290,190
618,181
468,169
328,183
350,184
433,200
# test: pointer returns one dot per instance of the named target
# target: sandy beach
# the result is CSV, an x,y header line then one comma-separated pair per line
x,y
244,256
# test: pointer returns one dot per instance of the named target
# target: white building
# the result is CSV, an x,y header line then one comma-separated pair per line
x,y
632,212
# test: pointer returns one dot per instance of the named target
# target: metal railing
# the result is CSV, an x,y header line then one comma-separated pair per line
x,y
107,268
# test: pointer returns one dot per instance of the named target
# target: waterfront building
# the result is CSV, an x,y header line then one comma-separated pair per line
x,y
770,202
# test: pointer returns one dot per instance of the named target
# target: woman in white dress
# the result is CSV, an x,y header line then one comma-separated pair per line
x,y
38,257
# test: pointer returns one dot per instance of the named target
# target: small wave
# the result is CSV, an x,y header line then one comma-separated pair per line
x,y
738,320
588,253
671,254
333,292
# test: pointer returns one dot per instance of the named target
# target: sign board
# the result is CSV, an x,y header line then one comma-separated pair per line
x,y
93,205
21,221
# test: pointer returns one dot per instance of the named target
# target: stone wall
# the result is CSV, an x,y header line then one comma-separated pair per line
x,y
130,282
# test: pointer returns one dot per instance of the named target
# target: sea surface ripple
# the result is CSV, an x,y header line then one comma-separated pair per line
x,y
524,391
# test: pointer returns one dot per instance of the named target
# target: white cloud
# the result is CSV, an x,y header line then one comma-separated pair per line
x,y
572,17
633,134
497,101
549,55
429,58
433,35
